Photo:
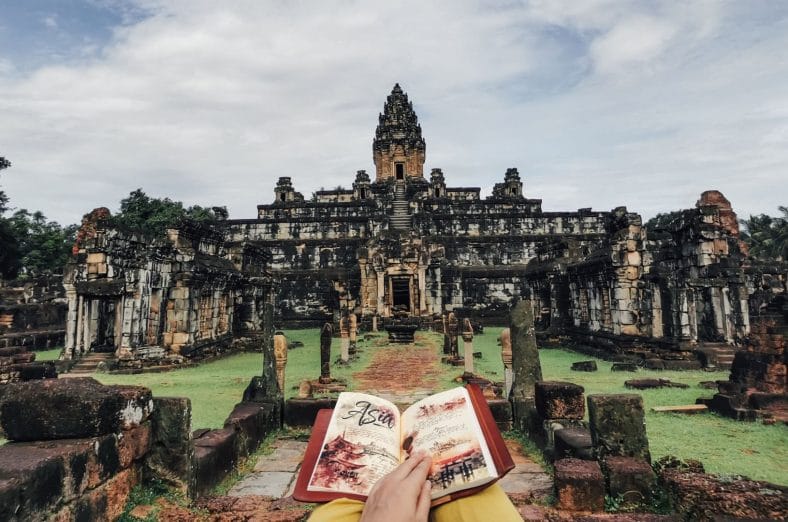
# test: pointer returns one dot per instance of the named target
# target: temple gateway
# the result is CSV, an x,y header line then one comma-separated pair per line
x,y
403,244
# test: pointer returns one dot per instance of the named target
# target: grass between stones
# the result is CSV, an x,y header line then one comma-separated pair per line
x,y
49,355
723,445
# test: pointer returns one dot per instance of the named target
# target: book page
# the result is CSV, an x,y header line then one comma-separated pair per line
x,y
362,444
445,425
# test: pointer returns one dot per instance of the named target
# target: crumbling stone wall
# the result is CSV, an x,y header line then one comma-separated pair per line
x,y
185,293
77,448
697,273
32,313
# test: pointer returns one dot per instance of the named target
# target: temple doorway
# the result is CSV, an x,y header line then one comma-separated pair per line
x,y
399,170
400,295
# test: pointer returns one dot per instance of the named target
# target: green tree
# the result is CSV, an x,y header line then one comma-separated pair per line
x,y
4,164
44,246
9,250
767,236
154,216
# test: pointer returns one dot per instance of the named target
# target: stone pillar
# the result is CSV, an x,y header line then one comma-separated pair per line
x,y
171,455
92,333
525,356
325,353
467,341
381,292
438,304
344,334
86,321
727,319
124,350
422,290
446,340
375,323
71,323
280,352
271,387
618,426
453,326
353,334
506,355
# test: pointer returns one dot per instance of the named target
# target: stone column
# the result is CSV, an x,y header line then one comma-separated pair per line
x,y
124,350
71,323
353,334
438,306
727,319
280,352
325,353
525,355
446,339
92,334
86,319
506,355
271,387
467,341
422,290
344,334
381,292
375,323
453,326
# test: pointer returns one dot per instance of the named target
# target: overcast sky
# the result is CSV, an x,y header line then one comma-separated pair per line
x,y
598,104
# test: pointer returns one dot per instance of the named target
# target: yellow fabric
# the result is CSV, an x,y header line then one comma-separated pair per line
x,y
488,504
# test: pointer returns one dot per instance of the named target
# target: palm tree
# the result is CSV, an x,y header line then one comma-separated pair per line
x,y
767,236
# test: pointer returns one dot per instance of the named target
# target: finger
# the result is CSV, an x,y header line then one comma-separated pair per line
x,y
412,484
423,502
404,469
422,467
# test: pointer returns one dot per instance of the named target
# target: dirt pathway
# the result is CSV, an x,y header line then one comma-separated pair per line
x,y
402,373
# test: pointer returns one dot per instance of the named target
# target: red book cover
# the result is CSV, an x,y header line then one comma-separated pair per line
x,y
348,456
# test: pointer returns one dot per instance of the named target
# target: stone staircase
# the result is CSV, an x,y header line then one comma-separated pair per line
x,y
400,218
89,362
718,355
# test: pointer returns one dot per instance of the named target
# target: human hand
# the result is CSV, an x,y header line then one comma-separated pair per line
x,y
403,495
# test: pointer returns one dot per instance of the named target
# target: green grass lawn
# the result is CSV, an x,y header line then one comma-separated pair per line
x,y
723,445
215,387
49,355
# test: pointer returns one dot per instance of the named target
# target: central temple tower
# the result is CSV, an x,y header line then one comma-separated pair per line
x,y
398,149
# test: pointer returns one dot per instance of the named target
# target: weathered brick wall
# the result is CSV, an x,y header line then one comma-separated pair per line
x,y
77,448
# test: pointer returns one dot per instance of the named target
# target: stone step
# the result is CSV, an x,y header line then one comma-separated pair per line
x,y
687,408
97,357
89,362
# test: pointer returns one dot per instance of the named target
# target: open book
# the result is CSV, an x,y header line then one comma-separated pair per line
x,y
366,437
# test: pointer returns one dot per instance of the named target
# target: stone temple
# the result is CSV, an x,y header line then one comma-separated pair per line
x,y
403,245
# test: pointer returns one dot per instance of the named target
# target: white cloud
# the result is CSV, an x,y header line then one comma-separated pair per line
x,y
50,21
598,104
632,41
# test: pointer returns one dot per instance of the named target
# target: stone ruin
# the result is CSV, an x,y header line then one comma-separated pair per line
x,y
32,313
608,456
32,317
162,300
76,448
758,383
402,249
